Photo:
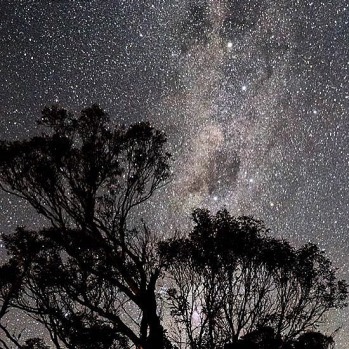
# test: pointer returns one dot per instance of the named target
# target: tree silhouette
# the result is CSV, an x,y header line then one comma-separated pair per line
x,y
89,275
265,338
314,340
230,278
11,278
35,343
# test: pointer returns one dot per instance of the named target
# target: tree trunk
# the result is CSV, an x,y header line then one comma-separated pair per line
x,y
156,335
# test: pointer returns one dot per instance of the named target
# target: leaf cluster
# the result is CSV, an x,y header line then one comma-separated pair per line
x,y
230,277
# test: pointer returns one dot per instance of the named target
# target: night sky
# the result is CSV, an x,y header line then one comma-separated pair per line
x,y
253,96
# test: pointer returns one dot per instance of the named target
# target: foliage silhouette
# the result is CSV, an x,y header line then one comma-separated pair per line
x,y
35,343
89,275
264,338
230,277
314,340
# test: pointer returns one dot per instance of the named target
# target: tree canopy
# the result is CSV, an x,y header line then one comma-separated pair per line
x,y
90,274
230,278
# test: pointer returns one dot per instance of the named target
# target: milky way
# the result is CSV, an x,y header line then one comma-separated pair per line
x,y
253,96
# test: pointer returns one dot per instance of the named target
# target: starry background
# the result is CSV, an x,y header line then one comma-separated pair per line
x,y
253,96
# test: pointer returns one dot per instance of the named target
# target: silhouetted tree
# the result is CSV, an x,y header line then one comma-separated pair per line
x,y
11,277
314,340
229,278
35,343
89,275
262,338
265,338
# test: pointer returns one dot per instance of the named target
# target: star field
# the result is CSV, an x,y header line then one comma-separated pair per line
x,y
253,96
